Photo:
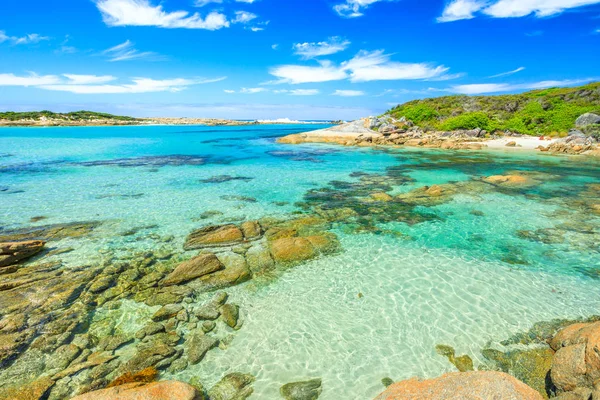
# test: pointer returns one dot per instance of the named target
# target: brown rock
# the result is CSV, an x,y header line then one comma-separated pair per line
x,y
507,180
214,236
167,390
251,230
294,249
576,363
13,252
236,271
511,144
461,385
198,266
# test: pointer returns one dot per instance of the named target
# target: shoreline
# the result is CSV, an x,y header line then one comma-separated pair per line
x,y
149,122
358,133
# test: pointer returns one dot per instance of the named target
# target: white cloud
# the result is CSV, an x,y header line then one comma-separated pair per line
x,y
304,92
541,8
275,46
243,17
508,73
483,88
126,51
31,38
461,9
364,67
348,93
88,79
245,1
353,8
252,90
331,46
466,9
30,80
143,13
229,91
93,84
376,66
202,3
296,74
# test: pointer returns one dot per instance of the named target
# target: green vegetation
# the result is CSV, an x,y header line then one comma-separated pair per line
x,y
72,116
540,112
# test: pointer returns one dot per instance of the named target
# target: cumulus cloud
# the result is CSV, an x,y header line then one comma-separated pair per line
x,y
296,74
126,51
144,13
461,9
466,9
353,8
348,93
94,84
364,67
30,38
484,88
311,50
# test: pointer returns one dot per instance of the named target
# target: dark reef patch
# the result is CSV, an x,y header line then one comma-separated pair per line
x,y
226,178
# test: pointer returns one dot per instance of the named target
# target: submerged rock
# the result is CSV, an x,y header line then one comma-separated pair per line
x,y
307,390
461,385
230,314
13,252
49,232
235,386
296,249
462,363
198,345
203,264
167,312
214,236
167,390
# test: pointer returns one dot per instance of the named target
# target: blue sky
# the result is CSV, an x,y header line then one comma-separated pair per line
x,y
298,59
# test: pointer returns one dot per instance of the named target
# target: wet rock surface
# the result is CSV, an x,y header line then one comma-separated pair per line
x,y
168,390
306,390
13,252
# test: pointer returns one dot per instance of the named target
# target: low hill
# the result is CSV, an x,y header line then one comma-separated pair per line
x,y
72,116
539,112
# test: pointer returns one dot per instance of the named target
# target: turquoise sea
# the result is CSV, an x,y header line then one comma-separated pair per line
x,y
469,271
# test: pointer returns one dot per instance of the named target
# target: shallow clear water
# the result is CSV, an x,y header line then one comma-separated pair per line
x,y
460,278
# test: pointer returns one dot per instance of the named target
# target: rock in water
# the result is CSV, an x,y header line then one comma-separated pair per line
x,y
251,230
13,252
198,346
230,314
588,119
214,236
201,265
461,385
234,386
167,312
167,390
307,390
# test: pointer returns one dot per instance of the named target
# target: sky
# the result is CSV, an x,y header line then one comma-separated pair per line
x,y
297,59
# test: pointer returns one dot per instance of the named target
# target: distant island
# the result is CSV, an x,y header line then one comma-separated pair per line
x,y
91,118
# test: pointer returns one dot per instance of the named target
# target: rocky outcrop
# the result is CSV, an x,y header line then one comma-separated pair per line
x,y
576,364
461,385
587,119
201,265
13,252
307,390
214,236
167,390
